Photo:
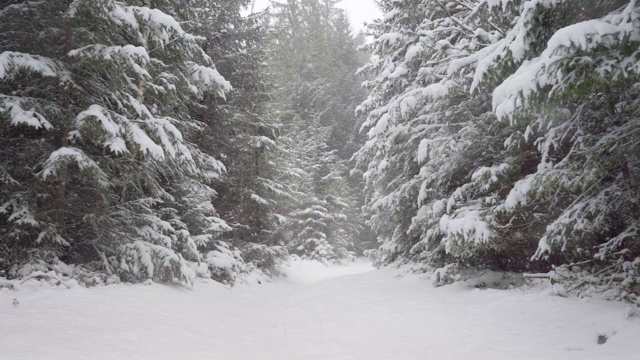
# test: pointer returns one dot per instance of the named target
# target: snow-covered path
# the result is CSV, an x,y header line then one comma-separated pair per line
x,y
319,313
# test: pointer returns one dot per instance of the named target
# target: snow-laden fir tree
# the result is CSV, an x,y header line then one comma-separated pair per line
x,y
240,131
93,106
573,83
320,223
499,127
434,161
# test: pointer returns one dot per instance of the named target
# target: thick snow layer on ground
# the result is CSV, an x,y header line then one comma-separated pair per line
x,y
337,312
309,272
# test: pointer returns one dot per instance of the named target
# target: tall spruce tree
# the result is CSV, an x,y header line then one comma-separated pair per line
x,y
434,162
573,87
93,103
240,130
452,181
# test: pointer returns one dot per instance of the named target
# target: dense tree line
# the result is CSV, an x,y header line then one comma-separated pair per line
x,y
314,64
504,135
143,140
166,140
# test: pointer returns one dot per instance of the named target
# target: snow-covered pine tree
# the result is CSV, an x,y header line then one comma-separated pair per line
x,y
389,216
573,82
93,94
320,223
314,60
549,162
420,124
241,131
435,163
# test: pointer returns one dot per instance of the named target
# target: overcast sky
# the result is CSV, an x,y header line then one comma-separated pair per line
x,y
358,11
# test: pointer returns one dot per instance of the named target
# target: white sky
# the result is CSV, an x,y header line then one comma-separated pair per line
x,y
358,11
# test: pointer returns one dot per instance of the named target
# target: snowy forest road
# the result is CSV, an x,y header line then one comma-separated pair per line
x,y
324,313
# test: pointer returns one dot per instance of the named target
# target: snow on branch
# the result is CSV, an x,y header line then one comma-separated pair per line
x,y
119,128
161,25
19,211
11,60
615,243
136,56
516,42
207,77
65,155
19,116
51,235
466,223
585,37
258,199
149,261
224,258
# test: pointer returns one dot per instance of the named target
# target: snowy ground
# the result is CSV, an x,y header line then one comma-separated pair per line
x,y
323,313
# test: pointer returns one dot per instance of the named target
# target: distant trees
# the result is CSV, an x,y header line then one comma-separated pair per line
x,y
499,128
314,60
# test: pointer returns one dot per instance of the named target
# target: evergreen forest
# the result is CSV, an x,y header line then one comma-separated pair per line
x,y
177,140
